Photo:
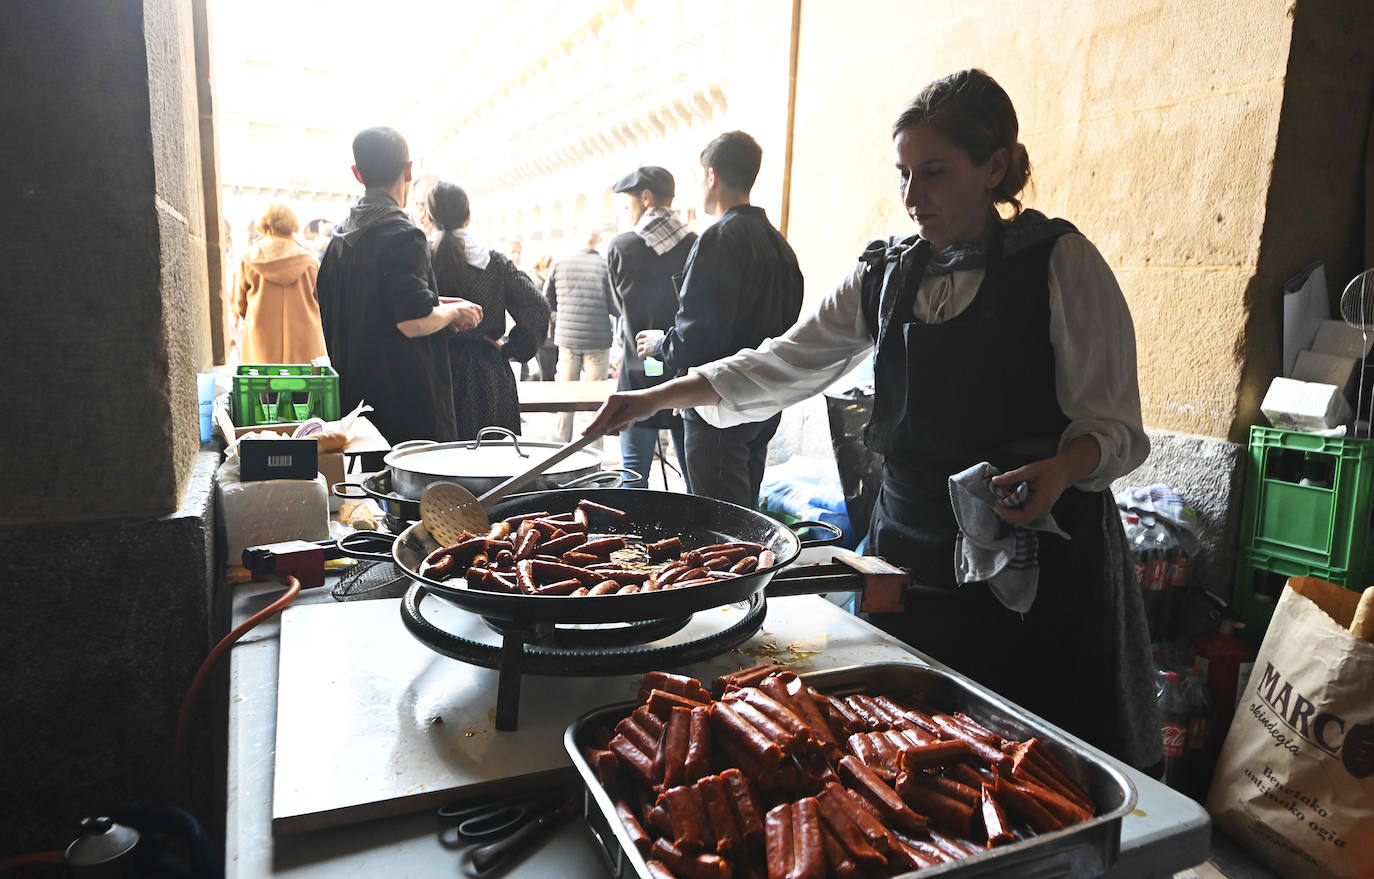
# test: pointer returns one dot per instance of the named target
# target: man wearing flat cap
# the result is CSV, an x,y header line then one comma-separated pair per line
x,y
642,263
741,285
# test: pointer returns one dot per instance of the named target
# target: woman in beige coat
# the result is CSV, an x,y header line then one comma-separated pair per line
x,y
275,294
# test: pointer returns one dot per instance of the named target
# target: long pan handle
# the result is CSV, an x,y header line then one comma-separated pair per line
x,y
520,480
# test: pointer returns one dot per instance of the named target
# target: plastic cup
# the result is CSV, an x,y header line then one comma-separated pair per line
x,y
205,391
653,366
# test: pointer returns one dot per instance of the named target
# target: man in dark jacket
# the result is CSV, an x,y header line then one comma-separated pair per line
x,y
742,285
642,263
384,326
579,294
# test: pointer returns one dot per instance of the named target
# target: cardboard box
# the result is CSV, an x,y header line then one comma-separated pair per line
x,y
1328,369
1309,406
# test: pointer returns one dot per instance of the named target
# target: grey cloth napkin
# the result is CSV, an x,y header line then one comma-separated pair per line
x,y
988,547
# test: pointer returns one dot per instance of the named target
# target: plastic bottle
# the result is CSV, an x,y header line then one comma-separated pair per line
x,y
1226,661
1177,574
1199,731
1173,727
1160,669
1131,523
1152,569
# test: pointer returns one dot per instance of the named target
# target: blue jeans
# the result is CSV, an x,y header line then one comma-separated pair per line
x,y
637,448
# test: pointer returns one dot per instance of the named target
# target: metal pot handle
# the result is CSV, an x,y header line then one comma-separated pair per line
x,y
341,489
500,431
604,844
352,545
595,478
836,534
412,444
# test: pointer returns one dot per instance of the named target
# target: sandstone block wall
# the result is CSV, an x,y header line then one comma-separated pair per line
x,y
1209,150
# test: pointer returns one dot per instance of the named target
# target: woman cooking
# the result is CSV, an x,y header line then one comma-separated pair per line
x,y
1000,337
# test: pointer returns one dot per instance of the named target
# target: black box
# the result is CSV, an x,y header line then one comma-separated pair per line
x,y
261,459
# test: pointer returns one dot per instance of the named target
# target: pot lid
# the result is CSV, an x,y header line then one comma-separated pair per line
x,y
101,841
490,460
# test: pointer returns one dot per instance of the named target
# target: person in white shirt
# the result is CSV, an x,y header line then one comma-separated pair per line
x,y
997,336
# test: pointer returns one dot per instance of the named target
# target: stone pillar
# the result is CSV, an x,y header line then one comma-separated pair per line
x,y
106,306
107,595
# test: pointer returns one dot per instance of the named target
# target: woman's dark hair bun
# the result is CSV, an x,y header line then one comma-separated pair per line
x,y
974,113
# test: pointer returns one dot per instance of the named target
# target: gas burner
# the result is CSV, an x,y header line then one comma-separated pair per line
x,y
574,651
592,649
592,635
395,524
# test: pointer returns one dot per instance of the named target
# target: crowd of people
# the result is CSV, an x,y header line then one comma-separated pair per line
x,y
998,336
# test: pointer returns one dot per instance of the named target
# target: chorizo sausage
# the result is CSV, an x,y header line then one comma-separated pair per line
x,y
808,849
726,722
744,565
562,587
876,791
778,841
559,545
664,549
995,821
937,755
715,798
698,745
943,810
603,547
691,828
633,828
682,685
563,571
590,507
638,762
701,866
746,805
674,748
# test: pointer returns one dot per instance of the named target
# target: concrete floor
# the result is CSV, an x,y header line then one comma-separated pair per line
x,y
1228,861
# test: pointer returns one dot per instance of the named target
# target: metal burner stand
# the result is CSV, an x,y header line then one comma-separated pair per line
x,y
626,648
546,649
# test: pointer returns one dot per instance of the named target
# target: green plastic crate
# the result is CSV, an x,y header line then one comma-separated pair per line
x,y
1325,523
1260,578
274,393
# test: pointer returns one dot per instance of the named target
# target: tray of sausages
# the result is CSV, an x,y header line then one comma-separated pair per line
x,y
872,771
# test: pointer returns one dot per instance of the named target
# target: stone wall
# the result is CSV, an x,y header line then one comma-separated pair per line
x,y
108,596
104,266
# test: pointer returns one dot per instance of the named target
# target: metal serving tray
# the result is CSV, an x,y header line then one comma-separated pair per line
x,y
1086,849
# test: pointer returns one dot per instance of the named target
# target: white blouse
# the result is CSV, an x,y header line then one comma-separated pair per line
x,y
1090,330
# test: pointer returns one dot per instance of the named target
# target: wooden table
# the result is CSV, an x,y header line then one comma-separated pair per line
x,y
557,396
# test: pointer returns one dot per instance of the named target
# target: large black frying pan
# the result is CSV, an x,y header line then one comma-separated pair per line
x,y
652,515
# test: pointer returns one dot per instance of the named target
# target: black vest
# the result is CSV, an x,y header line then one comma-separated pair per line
x,y
979,387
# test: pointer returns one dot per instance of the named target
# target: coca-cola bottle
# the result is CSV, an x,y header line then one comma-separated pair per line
x,y
1177,578
1173,726
1152,571
1199,730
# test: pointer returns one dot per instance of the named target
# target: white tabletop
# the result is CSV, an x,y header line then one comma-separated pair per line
x,y
1166,833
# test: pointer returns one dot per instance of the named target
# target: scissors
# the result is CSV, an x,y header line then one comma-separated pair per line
x,y
492,819
519,818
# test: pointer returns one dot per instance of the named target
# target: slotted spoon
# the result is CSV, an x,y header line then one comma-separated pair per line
x,y
448,509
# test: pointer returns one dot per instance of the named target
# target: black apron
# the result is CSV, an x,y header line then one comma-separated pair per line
x,y
980,387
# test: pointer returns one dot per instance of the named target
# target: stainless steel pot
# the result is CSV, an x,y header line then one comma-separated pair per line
x,y
478,465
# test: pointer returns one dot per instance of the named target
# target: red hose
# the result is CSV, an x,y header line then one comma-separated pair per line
x,y
52,857
293,588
